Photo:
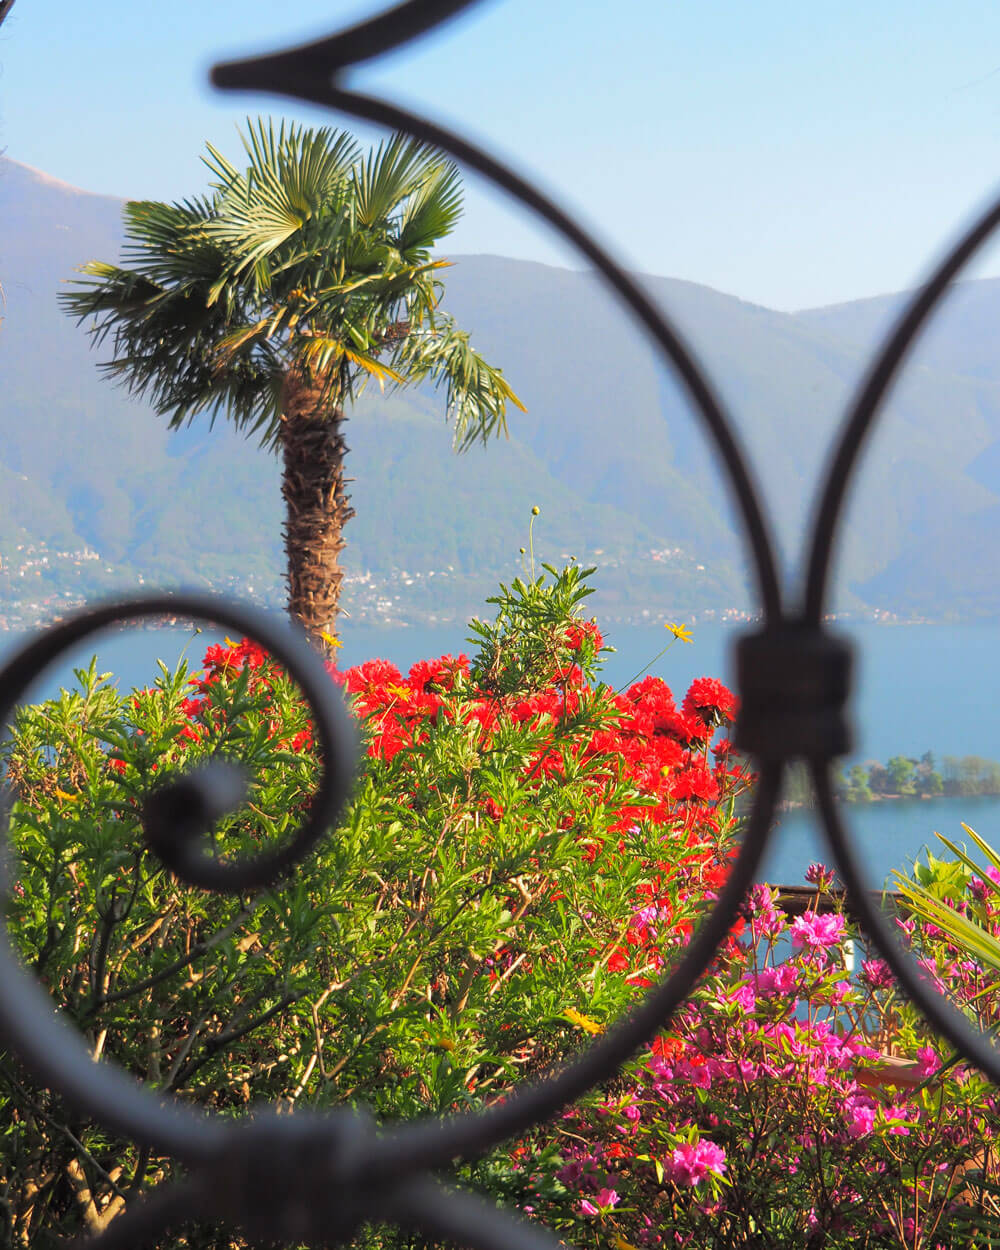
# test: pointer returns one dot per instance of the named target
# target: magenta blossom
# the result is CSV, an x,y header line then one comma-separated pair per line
x,y
820,876
771,982
690,1162
927,1061
876,973
859,1115
817,932
746,998
603,1201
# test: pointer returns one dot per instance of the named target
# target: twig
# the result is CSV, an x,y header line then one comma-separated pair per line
x,y
199,949
228,1036
66,1132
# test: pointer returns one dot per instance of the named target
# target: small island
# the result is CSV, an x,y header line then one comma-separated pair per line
x,y
901,777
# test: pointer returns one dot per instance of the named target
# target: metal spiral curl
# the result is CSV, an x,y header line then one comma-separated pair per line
x,y
315,1178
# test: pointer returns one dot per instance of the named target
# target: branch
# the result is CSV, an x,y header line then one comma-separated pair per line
x,y
226,1038
199,949
66,1132
97,1221
99,956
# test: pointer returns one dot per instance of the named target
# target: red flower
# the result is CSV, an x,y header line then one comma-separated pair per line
x,y
708,700
695,782
433,676
580,630
618,961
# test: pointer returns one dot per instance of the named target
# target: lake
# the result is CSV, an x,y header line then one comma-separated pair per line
x,y
919,688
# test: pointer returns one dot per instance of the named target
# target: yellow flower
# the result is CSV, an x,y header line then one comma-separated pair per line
x,y
444,1043
401,692
66,798
582,1021
679,631
329,639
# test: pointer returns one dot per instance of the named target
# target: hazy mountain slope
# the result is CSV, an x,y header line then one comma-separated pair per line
x,y
608,447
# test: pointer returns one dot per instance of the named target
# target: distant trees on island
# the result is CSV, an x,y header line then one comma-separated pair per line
x,y
902,777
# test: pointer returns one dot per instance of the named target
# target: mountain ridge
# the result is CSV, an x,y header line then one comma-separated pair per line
x,y
607,448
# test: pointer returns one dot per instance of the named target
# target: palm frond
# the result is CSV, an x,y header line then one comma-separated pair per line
x,y
231,345
388,176
168,243
432,210
477,393
311,255
971,937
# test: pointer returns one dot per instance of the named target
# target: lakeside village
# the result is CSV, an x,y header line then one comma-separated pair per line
x,y
40,585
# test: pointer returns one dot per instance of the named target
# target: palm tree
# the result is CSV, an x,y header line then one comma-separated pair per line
x,y
276,297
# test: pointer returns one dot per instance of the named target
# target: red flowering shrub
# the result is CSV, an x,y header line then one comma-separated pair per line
x,y
523,850
526,850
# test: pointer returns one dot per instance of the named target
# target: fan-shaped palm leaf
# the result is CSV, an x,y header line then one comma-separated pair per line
x,y
275,298
477,392
389,175
432,210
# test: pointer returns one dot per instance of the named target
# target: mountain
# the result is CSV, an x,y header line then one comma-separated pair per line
x,y
624,477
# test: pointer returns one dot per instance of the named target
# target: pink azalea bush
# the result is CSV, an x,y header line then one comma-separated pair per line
x,y
789,1105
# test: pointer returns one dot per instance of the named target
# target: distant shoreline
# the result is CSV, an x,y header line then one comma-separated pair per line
x,y
797,805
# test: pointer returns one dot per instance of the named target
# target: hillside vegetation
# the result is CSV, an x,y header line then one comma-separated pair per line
x,y
607,448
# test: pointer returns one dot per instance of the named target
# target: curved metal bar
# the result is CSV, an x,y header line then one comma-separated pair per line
x,y
865,408
317,89
48,1047
363,42
940,1013
455,1216
318,1177
433,1143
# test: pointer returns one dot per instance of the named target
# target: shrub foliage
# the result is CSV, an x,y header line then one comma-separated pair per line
x,y
467,926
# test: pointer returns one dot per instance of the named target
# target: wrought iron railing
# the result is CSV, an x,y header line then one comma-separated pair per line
x,y
316,1178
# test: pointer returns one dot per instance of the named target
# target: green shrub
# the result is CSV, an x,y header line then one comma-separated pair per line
x,y
463,929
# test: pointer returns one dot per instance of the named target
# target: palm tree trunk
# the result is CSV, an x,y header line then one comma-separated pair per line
x,y
317,507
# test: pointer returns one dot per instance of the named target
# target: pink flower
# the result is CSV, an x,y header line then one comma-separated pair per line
x,y
765,920
603,1200
816,931
771,982
820,876
745,997
876,973
859,1114
927,1061
690,1162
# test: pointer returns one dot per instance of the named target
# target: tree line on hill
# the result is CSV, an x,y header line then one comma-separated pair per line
x,y
901,777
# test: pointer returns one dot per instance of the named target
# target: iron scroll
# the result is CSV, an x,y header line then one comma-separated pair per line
x,y
317,1178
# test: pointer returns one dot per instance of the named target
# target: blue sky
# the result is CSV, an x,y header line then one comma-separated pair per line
x,y
792,154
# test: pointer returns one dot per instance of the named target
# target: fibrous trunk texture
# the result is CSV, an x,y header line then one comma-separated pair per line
x,y
317,507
